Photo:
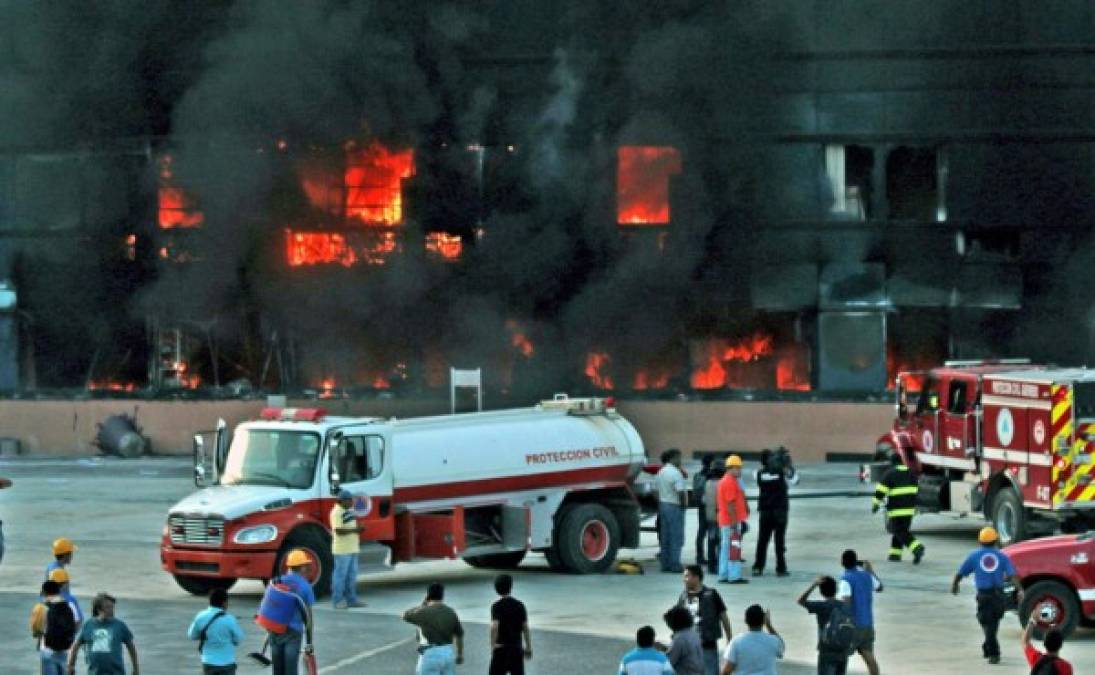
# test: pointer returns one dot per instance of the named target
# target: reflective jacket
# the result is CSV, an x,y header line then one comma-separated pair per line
x,y
898,488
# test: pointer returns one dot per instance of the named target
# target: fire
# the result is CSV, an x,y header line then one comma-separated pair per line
x,y
642,183
176,207
793,370
518,340
110,385
650,379
711,370
315,248
381,382
905,363
596,365
374,183
444,245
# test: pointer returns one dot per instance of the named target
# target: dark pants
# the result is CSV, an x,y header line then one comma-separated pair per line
x,y
990,609
774,521
701,535
218,670
508,660
831,664
902,536
713,543
285,652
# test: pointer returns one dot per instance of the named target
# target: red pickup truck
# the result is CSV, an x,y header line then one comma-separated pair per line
x,y
1058,579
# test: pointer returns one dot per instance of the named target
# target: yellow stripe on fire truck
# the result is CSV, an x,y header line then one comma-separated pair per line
x,y
1061,425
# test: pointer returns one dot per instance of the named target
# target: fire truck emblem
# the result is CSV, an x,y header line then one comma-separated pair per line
x,y
927,441
1039,432
1005,427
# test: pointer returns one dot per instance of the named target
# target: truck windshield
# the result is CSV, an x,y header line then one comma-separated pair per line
x,y
272,457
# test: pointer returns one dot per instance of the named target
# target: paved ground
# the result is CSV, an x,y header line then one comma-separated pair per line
x,y
115,510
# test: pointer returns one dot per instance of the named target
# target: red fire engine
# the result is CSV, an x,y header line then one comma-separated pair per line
x,y
1007,439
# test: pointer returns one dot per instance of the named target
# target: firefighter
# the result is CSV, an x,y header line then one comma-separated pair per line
x,y
990,569
898,489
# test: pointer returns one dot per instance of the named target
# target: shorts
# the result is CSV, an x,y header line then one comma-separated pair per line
x,y
864,639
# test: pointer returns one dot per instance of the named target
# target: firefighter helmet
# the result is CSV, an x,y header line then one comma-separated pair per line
x,y
732,461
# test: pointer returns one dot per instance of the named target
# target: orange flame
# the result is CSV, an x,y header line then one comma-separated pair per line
x,y
315,248
642,183
650,379
111,385
596,363
710,371
518,340
444,245
176,207
374,183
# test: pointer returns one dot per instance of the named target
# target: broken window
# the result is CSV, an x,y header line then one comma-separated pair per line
x,y
176,207
848,169
914,184
642,183
444,246
374,184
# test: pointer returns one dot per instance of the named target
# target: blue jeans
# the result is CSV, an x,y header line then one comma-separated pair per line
x,y
711,661
437,661
344,579
55,664
671,518
285,652
728,570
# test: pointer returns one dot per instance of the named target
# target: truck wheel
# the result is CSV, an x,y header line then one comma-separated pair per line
x,y
318,549
202,585
589,537
1009,517
1050,604
499,561
551,554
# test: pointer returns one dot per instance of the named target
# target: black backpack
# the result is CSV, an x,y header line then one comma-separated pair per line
x,y
839,632
60,627
1047,665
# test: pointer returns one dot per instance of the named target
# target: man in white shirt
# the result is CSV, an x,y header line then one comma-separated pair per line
x,y
672,502
754,652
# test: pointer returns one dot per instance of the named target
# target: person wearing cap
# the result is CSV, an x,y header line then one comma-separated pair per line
x,y
991,568
345,547
733,511
285,647
60,577
53,645
62,554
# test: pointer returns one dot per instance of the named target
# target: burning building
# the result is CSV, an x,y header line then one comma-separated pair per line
x,y
697,201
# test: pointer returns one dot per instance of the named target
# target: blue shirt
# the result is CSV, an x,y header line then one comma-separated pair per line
x,y
221,638
645,661
71,600
861,584
104,640
990,568
301,587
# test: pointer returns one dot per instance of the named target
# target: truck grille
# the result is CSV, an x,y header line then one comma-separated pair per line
x,y
187,530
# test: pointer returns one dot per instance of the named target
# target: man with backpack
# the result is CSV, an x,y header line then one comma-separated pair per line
x,y
990,568
61,577
53,624
217,633
856,588
286,614
104,636
835,628
709,614
1048,663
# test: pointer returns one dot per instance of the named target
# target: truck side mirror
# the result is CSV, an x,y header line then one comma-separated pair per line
x,y
200,470
332,461
222,446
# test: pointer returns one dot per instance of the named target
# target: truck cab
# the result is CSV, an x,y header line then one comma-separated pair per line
x,y
1057,575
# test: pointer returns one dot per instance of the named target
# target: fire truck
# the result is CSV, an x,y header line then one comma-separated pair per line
x,y
1007,439
487,487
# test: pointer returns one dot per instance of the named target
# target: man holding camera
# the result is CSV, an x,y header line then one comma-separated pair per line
x,y
773,477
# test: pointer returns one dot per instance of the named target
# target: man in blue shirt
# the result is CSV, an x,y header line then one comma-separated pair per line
x,y
645,659
285,647
857,587
990,568
218,633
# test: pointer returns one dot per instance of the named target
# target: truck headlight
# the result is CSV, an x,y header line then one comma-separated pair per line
x,y
256,535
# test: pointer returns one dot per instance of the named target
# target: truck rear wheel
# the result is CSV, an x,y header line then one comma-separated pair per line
x,y
1050,604
202,585
318,549
1009,517
588,540
499,561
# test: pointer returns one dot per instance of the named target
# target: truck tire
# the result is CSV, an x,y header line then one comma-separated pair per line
x,y
1009,517
318,548
1050,604
588,540
202,585
499,561
551,554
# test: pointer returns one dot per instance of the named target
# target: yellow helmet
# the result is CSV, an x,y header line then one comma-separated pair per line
x,y
59,575
297,558
987,535
63,546
733,460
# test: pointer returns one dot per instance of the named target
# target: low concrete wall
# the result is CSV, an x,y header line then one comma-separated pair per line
x,y
810,430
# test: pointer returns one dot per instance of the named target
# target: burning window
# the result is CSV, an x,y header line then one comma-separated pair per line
x,y
346,249
519,339
915,180
753,362
598,370
374,183
444,245
848,168
642,183
176,207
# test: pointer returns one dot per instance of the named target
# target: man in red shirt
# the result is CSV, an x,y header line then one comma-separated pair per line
x,y
733,511
1049,663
